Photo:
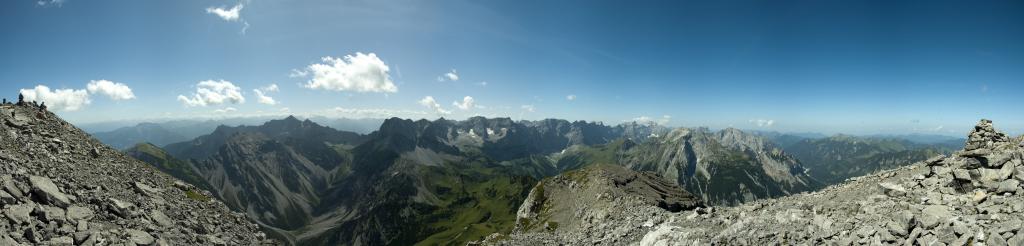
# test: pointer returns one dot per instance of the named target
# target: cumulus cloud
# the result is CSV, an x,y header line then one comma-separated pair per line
x,y
763,122
359,73
210,92
232,14
570,97
113,90
58,100
466,104
450,76
263,98
432,104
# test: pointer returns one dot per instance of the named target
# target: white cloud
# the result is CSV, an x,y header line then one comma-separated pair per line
x,y
297,73
375,112
210,92
232,14
432,104
113,90
528,108
649,120
261,94
570,97
48,3
763,122
482,83
450,76
466,104
57,100
262,98
359,73
270,88
225,110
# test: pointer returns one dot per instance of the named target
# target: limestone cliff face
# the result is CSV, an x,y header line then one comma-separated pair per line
x,y
723,167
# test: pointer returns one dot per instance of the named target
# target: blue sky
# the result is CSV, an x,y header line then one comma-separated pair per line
x,y
821,66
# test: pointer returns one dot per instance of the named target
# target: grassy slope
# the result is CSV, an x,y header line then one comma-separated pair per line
x,y
158,158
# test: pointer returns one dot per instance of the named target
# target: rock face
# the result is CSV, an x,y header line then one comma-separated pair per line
x,y
600,197
972,197
58,186
722,167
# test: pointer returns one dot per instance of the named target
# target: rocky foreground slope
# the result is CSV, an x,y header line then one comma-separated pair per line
x,y
58,186
972,197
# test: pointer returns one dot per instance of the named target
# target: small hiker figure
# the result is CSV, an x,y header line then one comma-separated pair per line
x,y
5,101
21,99
42,107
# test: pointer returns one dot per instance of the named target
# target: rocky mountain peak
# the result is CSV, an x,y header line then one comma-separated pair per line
x,y
59,186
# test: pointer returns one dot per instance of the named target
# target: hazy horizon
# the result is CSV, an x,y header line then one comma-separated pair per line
x,y
794,66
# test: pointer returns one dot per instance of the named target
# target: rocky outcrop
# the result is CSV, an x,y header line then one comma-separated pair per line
x,y
596,198
58,186
972,197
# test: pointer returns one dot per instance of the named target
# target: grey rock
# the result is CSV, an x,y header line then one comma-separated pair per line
x,y
76,213
8,185
121,208
160,218
1008,186
140,237
896,228
53,214
1016,240
6,198
20,213
996,160
61,241
994,239
6,240
961,174
934,215
45,188
893,189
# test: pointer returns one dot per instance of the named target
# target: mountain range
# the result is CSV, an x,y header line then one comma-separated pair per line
x,y
452,182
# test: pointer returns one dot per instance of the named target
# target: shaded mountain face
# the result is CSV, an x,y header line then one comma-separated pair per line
x,y
724,167
59,186
834,159
166,163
